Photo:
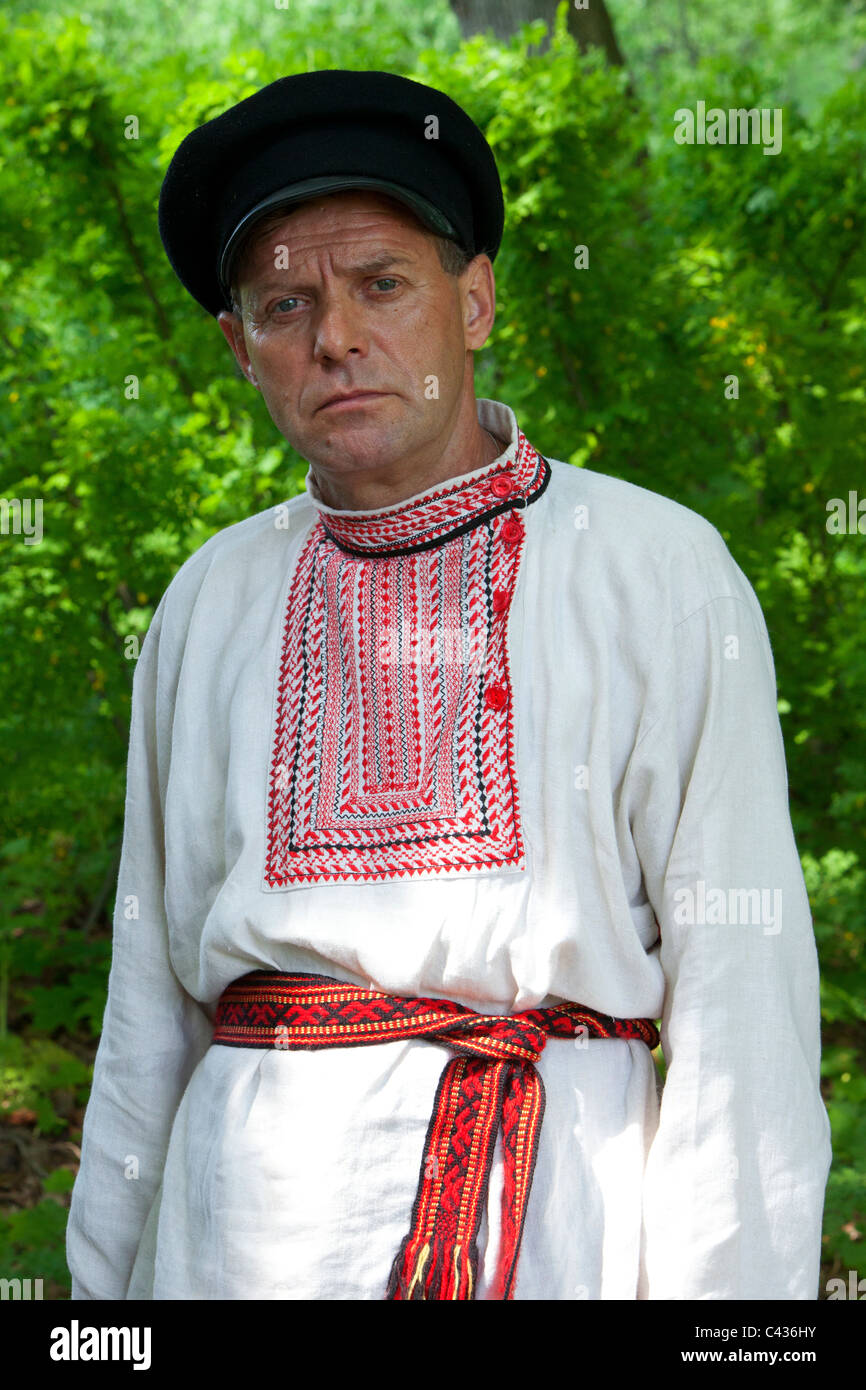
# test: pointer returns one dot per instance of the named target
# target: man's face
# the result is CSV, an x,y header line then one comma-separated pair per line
x,y
363,306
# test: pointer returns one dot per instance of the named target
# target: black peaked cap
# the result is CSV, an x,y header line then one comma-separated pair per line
x,y
316,132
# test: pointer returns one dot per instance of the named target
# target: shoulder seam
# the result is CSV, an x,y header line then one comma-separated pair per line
x,y
735,598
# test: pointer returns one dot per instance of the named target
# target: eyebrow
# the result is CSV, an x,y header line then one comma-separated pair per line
x,y
371,267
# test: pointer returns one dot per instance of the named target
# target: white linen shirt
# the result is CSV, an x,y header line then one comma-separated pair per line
x,y
652,798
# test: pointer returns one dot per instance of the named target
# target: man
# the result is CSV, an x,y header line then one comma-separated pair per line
x,y
446,779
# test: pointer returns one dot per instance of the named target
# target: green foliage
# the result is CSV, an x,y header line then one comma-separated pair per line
x,y
32,1074
705,262
836,886
845,1203
33,1245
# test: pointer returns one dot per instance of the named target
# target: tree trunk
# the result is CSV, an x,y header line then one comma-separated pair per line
x,y
592,27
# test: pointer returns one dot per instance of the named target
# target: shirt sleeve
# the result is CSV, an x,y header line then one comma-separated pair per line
x,y
153,1032
736,1171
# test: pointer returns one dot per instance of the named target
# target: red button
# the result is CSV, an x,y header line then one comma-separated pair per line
x,y
496,696
512,531
500,600
501,486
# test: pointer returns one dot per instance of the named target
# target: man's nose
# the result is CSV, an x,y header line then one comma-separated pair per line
x,y
338,327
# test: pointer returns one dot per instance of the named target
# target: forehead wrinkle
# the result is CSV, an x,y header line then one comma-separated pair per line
x,y
335,233
366,224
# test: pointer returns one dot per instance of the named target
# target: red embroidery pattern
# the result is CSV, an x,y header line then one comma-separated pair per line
x,y
393,753
437,514
491,1082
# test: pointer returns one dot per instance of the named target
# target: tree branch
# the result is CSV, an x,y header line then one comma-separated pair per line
x,y
104,159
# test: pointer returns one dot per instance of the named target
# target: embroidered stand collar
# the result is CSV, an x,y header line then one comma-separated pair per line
x,y
513,480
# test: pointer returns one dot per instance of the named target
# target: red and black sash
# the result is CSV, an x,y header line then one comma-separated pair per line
x,y
491,1082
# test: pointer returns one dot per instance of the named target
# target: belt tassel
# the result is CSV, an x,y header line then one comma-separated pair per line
x,y
428,1271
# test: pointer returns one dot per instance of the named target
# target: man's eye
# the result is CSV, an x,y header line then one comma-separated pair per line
x,y
386,280
291,299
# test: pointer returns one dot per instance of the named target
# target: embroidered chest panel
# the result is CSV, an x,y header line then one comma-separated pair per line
x,y
393,753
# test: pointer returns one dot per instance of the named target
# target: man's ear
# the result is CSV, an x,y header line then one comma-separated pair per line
x,y
233,329
479,302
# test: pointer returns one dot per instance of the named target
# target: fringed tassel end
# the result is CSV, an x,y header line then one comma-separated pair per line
x,y
427,1269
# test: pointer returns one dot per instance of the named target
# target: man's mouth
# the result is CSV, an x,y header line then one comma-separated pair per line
x,y
352,399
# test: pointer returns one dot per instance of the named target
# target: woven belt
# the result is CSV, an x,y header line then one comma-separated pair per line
x,y
492,1082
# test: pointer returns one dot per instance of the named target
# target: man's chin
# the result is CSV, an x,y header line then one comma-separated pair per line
x,y
358,440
